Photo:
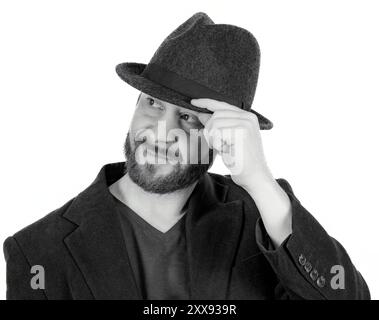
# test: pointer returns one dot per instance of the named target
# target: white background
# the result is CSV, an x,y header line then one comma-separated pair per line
x,y
65,112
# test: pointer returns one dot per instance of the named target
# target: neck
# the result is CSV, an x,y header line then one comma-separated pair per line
x,y
161,210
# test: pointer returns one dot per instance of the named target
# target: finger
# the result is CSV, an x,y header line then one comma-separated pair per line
x,y
218,137
215,123
219,143
221,147
231,114
231,117
212,104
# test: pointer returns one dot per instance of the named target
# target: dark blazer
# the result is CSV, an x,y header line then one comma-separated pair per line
x,y
82,249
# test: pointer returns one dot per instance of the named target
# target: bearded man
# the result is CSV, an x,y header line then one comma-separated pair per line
x,y
158,225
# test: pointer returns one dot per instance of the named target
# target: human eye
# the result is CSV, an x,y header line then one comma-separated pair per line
x,y
190,119
152,103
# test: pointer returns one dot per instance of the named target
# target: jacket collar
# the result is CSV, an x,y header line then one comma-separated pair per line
x,y
213,227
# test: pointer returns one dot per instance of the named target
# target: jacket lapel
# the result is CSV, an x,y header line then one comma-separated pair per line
x,y
97,244
213,229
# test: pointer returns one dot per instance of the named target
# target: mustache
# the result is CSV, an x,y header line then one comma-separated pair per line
x,y
159,149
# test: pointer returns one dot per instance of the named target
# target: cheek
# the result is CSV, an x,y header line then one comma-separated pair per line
x,y
140,126
140,119
145,115
147,111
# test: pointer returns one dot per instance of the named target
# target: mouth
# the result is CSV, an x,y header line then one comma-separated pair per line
x,y
163,154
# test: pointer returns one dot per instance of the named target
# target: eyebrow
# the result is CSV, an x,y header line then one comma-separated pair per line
x,y
181,109
157,100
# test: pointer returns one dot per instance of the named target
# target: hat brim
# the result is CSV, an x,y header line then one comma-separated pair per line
x,y
130,72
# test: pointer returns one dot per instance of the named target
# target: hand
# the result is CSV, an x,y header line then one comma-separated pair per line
x,y
234,134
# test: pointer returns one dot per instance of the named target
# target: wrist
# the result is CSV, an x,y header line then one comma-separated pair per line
x,y
258,180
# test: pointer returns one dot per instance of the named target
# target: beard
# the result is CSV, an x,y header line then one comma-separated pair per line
x,y
144,175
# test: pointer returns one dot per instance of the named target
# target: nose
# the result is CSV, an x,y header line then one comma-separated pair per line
x,y
166,123
171,119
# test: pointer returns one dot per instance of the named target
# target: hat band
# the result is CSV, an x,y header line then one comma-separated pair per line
x,y
186,87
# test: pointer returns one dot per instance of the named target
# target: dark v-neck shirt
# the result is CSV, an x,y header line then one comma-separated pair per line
x,y
158,259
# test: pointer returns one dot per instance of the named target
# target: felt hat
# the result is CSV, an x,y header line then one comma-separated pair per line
x,y
201,59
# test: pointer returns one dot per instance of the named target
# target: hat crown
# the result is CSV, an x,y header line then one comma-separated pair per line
x,y
222,57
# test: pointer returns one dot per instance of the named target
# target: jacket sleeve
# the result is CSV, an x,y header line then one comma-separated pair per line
x,y
309,263
18,274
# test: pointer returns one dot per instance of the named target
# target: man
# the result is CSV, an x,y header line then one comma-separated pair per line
x,y
158,226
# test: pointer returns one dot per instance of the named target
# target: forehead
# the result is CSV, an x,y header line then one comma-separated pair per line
x,y
166,104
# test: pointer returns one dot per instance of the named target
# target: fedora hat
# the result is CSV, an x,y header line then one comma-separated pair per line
x,y
201,59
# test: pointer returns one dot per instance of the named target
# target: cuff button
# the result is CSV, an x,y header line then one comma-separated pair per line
x,y
314,274
321,281
302,260
308,267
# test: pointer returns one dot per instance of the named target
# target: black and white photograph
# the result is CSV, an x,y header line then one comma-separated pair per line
x,y
189,150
